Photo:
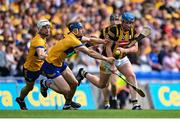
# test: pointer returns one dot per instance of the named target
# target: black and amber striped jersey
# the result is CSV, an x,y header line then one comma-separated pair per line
x,y
115,33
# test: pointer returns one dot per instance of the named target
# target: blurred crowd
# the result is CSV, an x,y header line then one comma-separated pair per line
x,y
158,52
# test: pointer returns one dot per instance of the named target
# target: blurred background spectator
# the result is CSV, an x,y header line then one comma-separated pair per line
x,y
159,52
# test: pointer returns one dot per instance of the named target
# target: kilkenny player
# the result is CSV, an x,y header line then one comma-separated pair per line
x,y
120,35
110,89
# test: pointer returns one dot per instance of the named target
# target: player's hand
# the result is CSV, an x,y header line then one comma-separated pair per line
x,y
110,60
106,41
122,50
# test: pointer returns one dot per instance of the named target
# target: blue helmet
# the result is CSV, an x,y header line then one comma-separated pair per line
x,y
128,16
75,25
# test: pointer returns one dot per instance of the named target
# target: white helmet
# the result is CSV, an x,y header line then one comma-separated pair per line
x,y
42,23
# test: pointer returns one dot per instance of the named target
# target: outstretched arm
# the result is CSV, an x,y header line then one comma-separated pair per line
x,y
110,54
94,54
94,40
108,49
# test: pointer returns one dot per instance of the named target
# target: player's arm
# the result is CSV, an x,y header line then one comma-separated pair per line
x,y
109,53
94,54
94,40
132,49
108,49
144,33
41,53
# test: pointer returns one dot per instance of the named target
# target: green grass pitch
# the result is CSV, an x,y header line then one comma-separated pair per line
x,y
91,114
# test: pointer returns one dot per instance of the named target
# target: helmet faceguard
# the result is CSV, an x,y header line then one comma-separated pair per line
x,y
42,23
114,17
44,27
127,20
75,25
75,28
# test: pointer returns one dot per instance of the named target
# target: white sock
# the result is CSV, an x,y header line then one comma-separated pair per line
x,y
135,102
107,105
136,105
114,97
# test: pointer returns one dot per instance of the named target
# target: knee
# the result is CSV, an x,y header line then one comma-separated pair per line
x,y
131,76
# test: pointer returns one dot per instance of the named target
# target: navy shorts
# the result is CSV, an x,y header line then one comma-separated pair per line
x,y
51,71
31,76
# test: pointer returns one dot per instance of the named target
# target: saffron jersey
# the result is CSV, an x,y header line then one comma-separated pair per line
x,y
62,49
33,63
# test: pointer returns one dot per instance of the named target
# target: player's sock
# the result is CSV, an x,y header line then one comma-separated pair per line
x,y
134,102
114,97
107,106
81,75
136,106
84,73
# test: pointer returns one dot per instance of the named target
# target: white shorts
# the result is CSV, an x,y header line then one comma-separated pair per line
x,y
122,61
105,66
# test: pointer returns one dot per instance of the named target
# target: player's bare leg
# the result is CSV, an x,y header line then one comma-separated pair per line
x,y
98,82
110,89
60,85
101,82
69,82
24,92
73,83
113,91
113,86
127,71
106,90
106,94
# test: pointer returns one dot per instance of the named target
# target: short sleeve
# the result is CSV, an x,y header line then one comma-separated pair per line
x,y
102,34
75,42
38,43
